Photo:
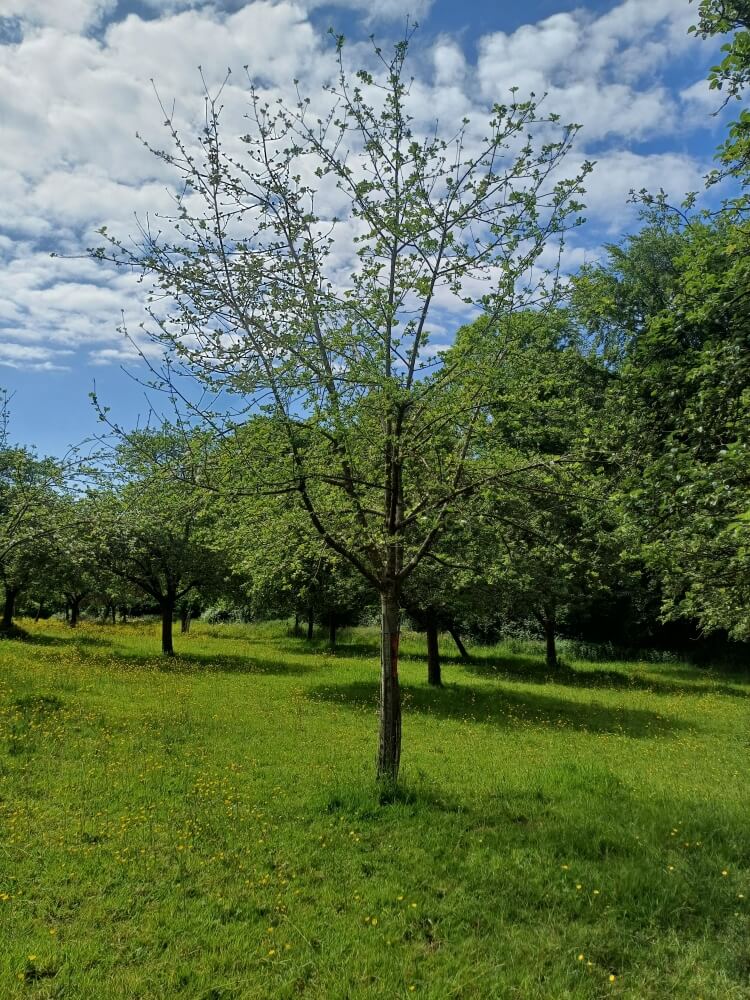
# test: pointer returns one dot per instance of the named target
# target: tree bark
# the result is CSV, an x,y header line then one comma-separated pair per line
x,y
310,624
185,620
433,655
9,607
114,612
463,652
296,622
389,743
39,610
75,611
167,611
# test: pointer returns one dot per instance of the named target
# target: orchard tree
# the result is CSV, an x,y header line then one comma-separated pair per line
x,y
153,531
302,274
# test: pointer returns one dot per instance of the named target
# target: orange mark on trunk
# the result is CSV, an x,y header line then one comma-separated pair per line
x,y
394,655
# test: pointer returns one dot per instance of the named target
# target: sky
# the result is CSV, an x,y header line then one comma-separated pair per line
x,y
78,81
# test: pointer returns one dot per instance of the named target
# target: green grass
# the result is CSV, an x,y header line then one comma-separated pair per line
x,y
209,827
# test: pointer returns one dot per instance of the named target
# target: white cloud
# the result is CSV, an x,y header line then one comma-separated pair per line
x,y
597,71
67,15
76,88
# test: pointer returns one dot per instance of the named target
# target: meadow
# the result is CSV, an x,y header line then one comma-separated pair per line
x,y
209,827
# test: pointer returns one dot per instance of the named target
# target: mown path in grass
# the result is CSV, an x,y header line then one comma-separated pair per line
x,y
209,827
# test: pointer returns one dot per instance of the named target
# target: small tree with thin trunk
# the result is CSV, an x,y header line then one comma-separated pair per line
x,y
301,272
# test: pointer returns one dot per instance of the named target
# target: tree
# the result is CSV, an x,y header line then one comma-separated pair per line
x,y
678,409
30,489
730,76
74,567
303,276
152,530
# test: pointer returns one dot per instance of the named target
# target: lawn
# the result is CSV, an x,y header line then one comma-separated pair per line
x,y
209,827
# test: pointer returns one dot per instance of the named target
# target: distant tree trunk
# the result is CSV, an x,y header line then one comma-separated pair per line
x,y
549,637
75,609
123,614
9,607
389,743
463,653
167,613
433,654
185,619
39,610
296,622
114,612
332,624
310,623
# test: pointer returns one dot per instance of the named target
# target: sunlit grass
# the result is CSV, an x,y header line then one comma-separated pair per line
x,y
210,827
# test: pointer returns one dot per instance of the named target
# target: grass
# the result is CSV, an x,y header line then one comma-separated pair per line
x,y
209,828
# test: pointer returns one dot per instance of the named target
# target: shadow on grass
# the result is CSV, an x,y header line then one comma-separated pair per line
x,y
532,670
205,663
71,638
510,708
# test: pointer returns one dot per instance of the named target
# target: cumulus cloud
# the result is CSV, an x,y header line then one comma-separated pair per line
x,y
76,85
597,71
70,15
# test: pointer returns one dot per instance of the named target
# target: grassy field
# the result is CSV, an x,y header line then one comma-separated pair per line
x,y
209,828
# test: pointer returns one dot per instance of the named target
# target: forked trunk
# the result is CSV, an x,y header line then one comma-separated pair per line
x,y
433,655
463,652
167,611
9,607
389,743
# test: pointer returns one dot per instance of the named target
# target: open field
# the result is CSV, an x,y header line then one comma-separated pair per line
x,y
209,827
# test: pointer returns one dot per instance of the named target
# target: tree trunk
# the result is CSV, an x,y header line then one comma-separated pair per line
x,y
114,612
75,611
549,636
296,622
433,655
463,652
310,624
332,631
389,743
167,611
9,607
39,610
185,620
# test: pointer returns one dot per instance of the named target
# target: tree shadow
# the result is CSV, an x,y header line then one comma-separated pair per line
x,y
532,670
206,663
71,639
510,709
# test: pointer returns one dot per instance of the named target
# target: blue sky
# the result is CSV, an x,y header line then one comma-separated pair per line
x,y
74,89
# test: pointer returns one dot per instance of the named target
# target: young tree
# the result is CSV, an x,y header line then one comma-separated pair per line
x,y
303,274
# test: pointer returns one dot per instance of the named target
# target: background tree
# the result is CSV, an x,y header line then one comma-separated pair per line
x,y
679,409
153,529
